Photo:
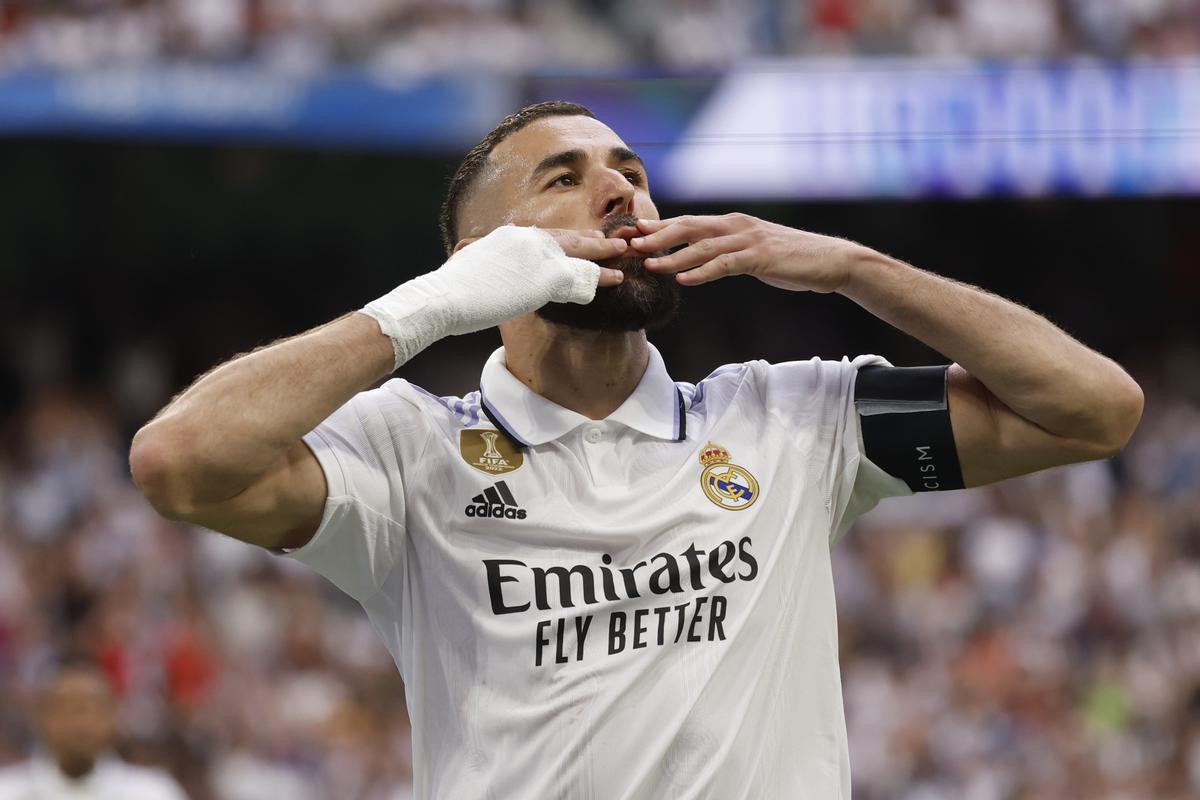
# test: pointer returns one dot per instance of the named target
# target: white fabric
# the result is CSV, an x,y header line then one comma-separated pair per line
x,y
651,409
40,779
720,690
511,271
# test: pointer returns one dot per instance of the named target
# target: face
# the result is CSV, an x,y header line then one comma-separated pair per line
x,y
77,716
575,173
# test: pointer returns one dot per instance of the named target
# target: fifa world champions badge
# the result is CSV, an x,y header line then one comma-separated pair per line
x,y
728,485
488,451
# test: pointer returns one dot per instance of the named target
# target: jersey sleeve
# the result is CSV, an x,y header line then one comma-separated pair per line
x,y
16,782
158,785
361,535
815,398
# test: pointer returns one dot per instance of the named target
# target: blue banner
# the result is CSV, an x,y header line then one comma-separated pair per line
x,y
768,130
898,128
198,102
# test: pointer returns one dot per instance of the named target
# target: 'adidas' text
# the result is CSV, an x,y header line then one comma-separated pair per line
x,y
495,501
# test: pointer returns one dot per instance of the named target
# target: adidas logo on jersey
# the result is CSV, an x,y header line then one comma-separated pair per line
x,y
495,501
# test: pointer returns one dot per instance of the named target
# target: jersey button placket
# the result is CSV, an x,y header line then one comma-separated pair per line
x,y
597,455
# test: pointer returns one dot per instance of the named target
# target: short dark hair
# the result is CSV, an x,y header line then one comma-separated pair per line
x,y
476,158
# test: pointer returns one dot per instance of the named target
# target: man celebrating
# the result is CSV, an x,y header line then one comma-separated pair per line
x,y
77,720
597,581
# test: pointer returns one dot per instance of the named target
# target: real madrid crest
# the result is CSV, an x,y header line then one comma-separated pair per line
x,y
727,485
489,451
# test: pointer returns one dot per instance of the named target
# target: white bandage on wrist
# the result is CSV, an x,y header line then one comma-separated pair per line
x,y
510,272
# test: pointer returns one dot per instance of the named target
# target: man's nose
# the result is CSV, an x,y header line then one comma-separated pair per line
x,y
616,196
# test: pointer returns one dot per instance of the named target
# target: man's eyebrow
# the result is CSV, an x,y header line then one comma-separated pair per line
x,y
568,158
564,159
625,154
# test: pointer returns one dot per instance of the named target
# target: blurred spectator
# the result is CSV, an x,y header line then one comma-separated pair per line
x,y
76,713
235,670
1033,640
403,37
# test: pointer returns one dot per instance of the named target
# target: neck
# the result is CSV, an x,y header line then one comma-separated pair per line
x,y
589,372
76,767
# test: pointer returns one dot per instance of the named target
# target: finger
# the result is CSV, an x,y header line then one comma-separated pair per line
x,y
696,254
681,230
719,267
595,249
625,232
568,233
568,238
610,277
652,225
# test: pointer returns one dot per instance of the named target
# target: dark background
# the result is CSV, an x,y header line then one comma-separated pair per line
x,y
129,268
214,250
1029,640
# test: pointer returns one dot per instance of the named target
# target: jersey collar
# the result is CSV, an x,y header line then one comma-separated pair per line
x,y
53,782
655,407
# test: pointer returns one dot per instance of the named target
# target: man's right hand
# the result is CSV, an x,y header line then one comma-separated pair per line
x,y
505,274
588,245
227,454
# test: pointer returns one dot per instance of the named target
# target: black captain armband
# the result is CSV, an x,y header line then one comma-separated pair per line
x,y
905,420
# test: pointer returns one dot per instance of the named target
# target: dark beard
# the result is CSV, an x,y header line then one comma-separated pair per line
x,y
644,300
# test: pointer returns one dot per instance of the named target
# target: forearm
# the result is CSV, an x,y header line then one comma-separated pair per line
x,y
227,429
238,421
1032,366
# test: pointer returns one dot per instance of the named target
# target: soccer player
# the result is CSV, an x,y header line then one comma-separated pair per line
x,y
595,580
77,720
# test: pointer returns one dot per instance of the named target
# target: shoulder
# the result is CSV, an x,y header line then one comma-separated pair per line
x,y
397,415
15,781
815,372
398,401
717,388
144,783
464,411
765,380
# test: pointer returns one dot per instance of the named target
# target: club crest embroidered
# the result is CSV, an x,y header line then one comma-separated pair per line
x,y
728,485
488,451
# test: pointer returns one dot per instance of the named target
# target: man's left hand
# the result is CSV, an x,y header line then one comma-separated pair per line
x,y
738,244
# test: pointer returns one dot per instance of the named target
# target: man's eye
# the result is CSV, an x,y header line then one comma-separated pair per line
x,y
633,176
566,179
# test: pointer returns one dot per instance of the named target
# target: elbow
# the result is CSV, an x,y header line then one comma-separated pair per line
x,y
157,471
1124,412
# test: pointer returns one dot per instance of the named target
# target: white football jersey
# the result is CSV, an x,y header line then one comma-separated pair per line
x,y
111,779
634,607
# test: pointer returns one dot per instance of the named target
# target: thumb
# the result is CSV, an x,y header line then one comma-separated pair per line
x,y
583,277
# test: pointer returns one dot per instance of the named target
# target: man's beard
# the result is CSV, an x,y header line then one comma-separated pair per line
x,y
644,300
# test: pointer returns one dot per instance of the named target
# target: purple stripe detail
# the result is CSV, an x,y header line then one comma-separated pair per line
x,y
508,428
471,400
698,396
441,400
467,412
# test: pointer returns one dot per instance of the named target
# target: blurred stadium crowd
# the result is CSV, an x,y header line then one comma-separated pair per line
x,y
1037,640
406,37
240,672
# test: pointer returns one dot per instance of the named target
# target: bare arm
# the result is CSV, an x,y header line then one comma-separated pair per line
x,y
205,456
1024,395
227,453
